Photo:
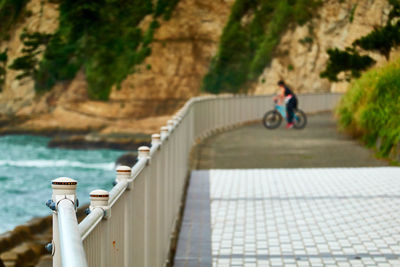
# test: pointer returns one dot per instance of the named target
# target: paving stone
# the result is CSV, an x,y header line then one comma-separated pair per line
x,y
305,217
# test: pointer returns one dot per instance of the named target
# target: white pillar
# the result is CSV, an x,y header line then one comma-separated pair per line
x,y
63,188
164,132
155,139
99,199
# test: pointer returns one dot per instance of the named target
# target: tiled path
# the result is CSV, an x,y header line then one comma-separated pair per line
x,y
292,217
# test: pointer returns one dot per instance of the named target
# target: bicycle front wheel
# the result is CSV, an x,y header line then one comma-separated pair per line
x,y
272,119
300,119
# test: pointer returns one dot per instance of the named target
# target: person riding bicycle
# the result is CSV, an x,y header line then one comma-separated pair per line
x,y
287,95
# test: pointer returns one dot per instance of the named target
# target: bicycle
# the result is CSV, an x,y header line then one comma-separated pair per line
x,y
273,118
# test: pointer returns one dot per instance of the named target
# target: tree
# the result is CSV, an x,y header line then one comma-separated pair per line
x,y
348,60
381,39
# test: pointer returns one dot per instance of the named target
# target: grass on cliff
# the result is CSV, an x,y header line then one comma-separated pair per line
x,y
249,39
371,107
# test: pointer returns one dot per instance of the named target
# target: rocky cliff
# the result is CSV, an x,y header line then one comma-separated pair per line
x,y
182,49
301,54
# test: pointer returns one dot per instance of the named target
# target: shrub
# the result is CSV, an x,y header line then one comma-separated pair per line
x,y
370,108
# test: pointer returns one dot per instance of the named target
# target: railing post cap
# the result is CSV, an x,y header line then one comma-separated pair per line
x,y
123,173
123,169
99,194
164,129
155,137
144,149
143,152
99,199
64,183
176,118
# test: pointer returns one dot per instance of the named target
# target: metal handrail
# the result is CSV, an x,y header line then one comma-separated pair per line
x,y
151,190
116,192
72,252
90,222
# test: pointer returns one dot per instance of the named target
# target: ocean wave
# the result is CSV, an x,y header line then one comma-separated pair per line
x,y
57,163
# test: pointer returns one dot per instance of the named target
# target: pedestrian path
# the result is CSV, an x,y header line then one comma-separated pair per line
x,y
292,217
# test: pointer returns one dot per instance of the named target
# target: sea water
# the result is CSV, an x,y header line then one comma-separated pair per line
x,y
27,167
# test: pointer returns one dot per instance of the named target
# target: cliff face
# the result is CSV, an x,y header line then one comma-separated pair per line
x,y
301,54
181,53
19,93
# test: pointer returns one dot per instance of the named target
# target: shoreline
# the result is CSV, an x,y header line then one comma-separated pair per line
x,y
25,244
85,139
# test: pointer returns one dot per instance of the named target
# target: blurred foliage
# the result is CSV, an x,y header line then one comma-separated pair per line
x,y
28,62
380,40
102,38
352,12
164,8
3,63
10,12
370,108
249,39
349,61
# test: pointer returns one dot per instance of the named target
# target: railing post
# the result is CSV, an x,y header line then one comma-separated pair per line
x,y
164,133
155,140
99,199
144,152
170,125
124,174
64,195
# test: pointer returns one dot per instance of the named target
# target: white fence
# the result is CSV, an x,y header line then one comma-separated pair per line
x,y
133,224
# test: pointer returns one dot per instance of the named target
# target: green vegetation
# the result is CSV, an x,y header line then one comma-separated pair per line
x,y
10,12
28,62
306,40
352,11
250,38
102,38
3,63
349,61
165,8
379,40
370,108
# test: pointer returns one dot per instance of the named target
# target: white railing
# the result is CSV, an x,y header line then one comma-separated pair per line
x,y
134,223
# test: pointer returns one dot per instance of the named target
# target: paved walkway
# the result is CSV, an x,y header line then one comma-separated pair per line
x,y
318,145
277,198
292,217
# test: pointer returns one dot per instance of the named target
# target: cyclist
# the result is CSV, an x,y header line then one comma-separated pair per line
x,y
290,99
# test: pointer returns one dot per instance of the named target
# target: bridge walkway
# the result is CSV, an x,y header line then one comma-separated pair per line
x,y
279,198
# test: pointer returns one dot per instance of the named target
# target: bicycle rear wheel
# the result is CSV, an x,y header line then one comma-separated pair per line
x,y
300,119
272,119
